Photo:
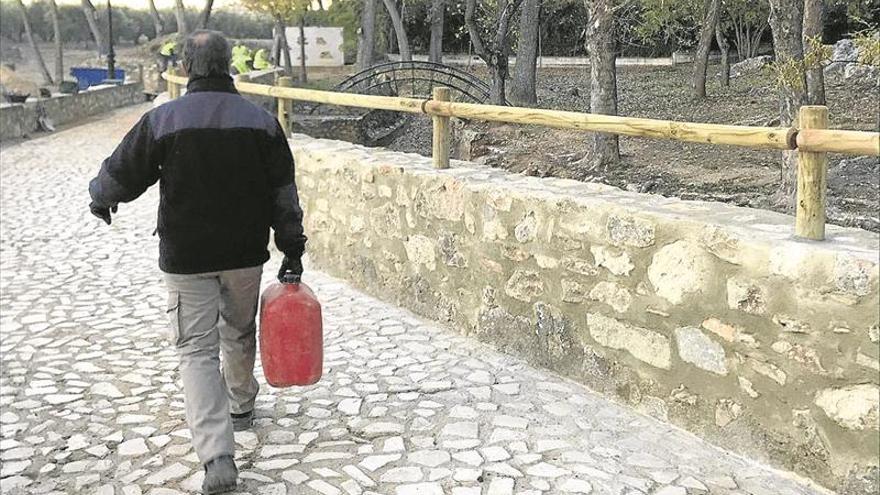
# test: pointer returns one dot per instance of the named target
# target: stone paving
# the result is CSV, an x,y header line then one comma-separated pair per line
x,y
91,402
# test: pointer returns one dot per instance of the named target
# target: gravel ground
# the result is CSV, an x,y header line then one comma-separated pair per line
x,y
690,171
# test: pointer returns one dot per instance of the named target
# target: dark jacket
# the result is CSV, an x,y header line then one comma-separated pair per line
x,y
225,175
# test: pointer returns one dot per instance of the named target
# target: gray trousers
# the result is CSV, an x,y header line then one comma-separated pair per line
x,y
214,313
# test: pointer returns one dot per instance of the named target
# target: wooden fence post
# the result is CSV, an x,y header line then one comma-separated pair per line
x,y
811,179
172,86
285,106
440,151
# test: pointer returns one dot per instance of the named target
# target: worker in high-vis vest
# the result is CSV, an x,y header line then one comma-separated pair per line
x,y
241,58
168,54
261,59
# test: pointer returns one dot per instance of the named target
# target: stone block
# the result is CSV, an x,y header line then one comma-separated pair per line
x,y
696,348
613,295
524,285
527,229
616,262
643,344
855,276
630,231
386,221
730,333
421,251
722,243
573,292
769,370
582,267
678,270
746,296
854,407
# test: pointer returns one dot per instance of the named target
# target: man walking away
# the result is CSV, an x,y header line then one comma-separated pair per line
x,y
225,175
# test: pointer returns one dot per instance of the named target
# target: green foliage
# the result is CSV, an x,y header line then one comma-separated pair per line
x,y
868,43
674,23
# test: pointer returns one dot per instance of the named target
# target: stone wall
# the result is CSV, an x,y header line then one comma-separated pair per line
x,y
17,121
705,315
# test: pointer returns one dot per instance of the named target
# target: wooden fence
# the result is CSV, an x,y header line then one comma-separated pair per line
x,y
812,140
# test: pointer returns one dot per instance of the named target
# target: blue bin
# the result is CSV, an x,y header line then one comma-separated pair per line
x,y
91,76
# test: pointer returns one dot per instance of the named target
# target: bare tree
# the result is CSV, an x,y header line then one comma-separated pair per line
x,y
399,30
496,54
367,35
435,17
158,25
602,45
303,76
59,43
707,32
205,16
47,78
92,20
724,46
786,22
283,46
749,21
526,68
813,14
180,13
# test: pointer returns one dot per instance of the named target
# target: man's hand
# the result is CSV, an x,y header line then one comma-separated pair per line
x,y
103,212
290,266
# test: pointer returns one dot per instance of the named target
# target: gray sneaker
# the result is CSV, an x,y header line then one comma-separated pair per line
x,y
221,475
243,421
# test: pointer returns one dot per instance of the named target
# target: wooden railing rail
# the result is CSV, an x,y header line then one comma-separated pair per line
x,y
812,140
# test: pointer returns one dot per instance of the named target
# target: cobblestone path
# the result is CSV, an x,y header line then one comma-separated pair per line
x,y
91,402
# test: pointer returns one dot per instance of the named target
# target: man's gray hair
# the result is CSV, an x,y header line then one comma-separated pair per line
x,y
206,53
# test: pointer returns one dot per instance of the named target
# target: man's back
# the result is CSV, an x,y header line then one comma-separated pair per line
x,y
225,173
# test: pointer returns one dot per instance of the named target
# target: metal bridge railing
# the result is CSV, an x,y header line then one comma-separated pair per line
x,y
812,139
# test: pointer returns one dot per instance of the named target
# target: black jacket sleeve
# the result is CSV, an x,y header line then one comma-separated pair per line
x,y
130,170
287,216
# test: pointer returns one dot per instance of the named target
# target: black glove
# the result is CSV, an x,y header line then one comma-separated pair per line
x,y
103,212
291,270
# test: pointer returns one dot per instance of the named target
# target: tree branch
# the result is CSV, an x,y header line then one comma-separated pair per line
x,y
474,31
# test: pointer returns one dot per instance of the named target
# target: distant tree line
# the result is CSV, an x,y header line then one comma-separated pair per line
x,y
644,27
128,24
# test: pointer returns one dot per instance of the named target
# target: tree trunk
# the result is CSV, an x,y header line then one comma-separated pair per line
x,y
47,78
157,19
701,62
813,13
525,71
205,16
285,48
303,77
786,22
438,9
320,5
180,13
397,21
724,46
367,35
92,20
59,43
497,58
601,44
399,30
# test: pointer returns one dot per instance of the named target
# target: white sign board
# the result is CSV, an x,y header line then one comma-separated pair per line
x,y
323,46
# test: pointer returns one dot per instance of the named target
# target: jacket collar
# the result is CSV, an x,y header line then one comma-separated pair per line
x,y
222,84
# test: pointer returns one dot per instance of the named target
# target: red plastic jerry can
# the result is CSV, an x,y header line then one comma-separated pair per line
x,y
291,334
